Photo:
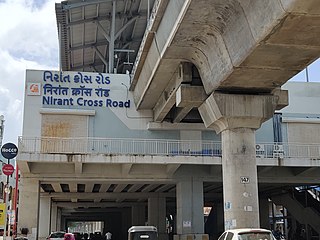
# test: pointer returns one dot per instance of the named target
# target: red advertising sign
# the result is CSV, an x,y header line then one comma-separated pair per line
x,y
7,169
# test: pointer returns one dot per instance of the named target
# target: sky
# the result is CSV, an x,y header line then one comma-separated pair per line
x,y
29,40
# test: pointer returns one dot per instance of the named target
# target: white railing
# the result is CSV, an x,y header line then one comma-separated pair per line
x,y
126,146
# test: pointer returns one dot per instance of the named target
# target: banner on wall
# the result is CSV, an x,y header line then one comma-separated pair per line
x,y
80,89
2,214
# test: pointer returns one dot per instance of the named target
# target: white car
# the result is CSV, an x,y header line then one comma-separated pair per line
x,y
56,236
247,234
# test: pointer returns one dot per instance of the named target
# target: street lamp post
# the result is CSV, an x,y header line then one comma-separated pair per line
x,y
6,201
8,151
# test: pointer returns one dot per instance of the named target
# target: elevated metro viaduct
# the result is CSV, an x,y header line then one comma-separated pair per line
x,y
244,51
220,63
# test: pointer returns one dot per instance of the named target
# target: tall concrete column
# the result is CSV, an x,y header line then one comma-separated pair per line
x,y
237,117
138,213
60,221
157,215
238,163
44,217
264,212
29,206
54,219
190,217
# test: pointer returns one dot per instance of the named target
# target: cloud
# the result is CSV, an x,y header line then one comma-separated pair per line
x,y
28,41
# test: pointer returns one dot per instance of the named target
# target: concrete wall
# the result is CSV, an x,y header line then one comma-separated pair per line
x,y
301,119
103,121
126,122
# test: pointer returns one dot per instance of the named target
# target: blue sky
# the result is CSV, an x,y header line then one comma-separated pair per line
x,y
29,40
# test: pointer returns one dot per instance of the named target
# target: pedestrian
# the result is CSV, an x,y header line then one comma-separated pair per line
x,y
108,236
278,234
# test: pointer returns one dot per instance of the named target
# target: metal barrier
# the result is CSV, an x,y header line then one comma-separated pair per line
x,y
119,146
126,146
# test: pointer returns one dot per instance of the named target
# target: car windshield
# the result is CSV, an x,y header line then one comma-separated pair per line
x,y
255,236
57,235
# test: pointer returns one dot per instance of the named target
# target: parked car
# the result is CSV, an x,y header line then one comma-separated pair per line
x,y
77,235
56,236
143,233
247,234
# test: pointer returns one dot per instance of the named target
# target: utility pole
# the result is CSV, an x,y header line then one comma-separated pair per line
x,y
1,128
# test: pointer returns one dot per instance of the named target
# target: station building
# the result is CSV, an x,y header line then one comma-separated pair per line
x,y
88,153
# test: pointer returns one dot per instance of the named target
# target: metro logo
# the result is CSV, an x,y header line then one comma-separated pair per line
x,y
9,150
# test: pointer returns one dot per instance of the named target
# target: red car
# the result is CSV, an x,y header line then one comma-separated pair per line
x,y
69,236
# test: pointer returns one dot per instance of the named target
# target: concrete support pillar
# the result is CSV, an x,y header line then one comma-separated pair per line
x,y
138,215
240,183
237,117
157,215
264,213
220,215
44,217
29,206
54,214
60,221
190,217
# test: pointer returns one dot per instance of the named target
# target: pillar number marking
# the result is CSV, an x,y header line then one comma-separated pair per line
x,y
244,180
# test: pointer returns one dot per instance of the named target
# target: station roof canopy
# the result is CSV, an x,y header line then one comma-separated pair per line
x,y
101,35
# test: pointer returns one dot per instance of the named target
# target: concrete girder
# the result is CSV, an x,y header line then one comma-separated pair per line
x,y
119,187
135,187
78,167
187,98
73,187
24,167
126,168
171,169
104,188
230,111
167,100
303,171
237,46
94,204
56,187
89,187
114,196
150,187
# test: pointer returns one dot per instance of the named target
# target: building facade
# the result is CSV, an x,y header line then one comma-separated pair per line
x,y
87,154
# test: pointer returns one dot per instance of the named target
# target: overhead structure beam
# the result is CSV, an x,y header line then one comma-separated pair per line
x,y
78,167
100,56
56,187
83,4
106,195
24,167
73,187
167,98
125,26
104,188
187,98
119,187
135,187
172,168
126,168
104,33
112,37
89,187
94,204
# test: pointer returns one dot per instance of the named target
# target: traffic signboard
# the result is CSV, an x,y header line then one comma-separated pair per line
x,y
9,150
7,169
